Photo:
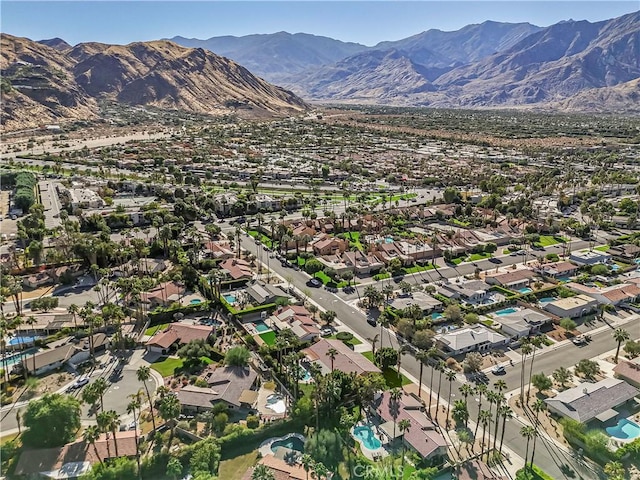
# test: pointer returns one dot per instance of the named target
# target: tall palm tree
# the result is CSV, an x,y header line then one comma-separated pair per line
x,y
451,376
73,309
484,418
422,357
461,412
506,413
536,342
307,463
525,350
100,387
332,353
480,390
538,406
620,335
133,408
394,404
441,369
143,374
373,341
170,410
500,386
528,432
404,426
90,435
109,422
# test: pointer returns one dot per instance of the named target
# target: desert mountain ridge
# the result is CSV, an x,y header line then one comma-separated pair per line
x,y
42,83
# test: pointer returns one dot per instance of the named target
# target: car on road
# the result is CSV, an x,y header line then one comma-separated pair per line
x,y
498,370
372,321
81,382
314,282
579,340
326,331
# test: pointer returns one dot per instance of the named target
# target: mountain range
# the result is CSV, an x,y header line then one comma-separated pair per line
x,y
52,81
484,65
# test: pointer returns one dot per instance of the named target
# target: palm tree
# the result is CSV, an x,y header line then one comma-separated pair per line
x,y
73,309
262,472
100,387
527,432
373,341
134,408
307,463
431,353
484,417
109,422
441,368
525,350
404,426
332,353
169,410
538,406
90,435
615,470
620,335
537,343
394,404
500,386
480,390
460,412
451,376
422,357
144,374
505,413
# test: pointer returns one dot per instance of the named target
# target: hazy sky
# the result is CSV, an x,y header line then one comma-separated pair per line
x,y
366,22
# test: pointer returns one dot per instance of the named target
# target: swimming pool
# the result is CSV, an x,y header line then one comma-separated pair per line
x,y
261,327
17,358
525,290
506,311
388,240
624,430
546,300
364,434
436,316
305,375
231,299
22,340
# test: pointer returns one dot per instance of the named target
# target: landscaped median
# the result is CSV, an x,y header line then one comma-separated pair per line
x,y
534,473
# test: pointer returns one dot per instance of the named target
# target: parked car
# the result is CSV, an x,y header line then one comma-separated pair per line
x,y
314,282
326,331
579,340
498,370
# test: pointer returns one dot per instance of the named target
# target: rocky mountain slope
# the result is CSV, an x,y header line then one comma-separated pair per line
x,y
622,98
278,55
41,84
542,67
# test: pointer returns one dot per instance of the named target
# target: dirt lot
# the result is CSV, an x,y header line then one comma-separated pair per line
x,y
47,384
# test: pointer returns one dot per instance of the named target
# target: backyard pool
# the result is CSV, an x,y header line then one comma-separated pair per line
x,y
436,316
17,358
364,434
22,340
231,299
388,240
291,443
305,375
525,290
261,327
506,311
624,430
546,300
195,301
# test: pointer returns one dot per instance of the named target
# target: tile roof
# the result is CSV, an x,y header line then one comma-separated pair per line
x,y
48,357
50,459
346,361
629,370
467,337
180,332
237,268
586,401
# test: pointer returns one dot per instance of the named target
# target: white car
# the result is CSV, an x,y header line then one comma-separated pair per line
x,y
498,370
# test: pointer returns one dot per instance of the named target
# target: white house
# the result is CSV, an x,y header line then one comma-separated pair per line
x,y
468,339
572,307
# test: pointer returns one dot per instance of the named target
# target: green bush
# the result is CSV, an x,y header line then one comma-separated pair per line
x,y
344,336
253,421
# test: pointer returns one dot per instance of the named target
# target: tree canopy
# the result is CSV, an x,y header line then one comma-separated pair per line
x,y
52,421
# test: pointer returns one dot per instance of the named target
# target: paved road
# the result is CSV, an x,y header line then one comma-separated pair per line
x,y
547,455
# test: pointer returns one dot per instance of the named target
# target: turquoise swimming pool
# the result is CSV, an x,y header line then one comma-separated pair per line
x,y
366,436
624,430
506,311
525,290
231,299
546,300
261,327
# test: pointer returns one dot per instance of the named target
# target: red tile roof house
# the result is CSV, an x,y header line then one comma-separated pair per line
x,y
629,371
73,460
385,252
326,245
346,360
177,334
231,385
164,294
217,250
513,280
237,269
422,436
297,319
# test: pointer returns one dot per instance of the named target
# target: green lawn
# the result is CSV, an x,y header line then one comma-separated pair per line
x,y
603,248
457,261
354,238
548,240
368,355
391,377
155,329
354,341
268,337
474,257
418,268
323,277
234,468
167,365
260,236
